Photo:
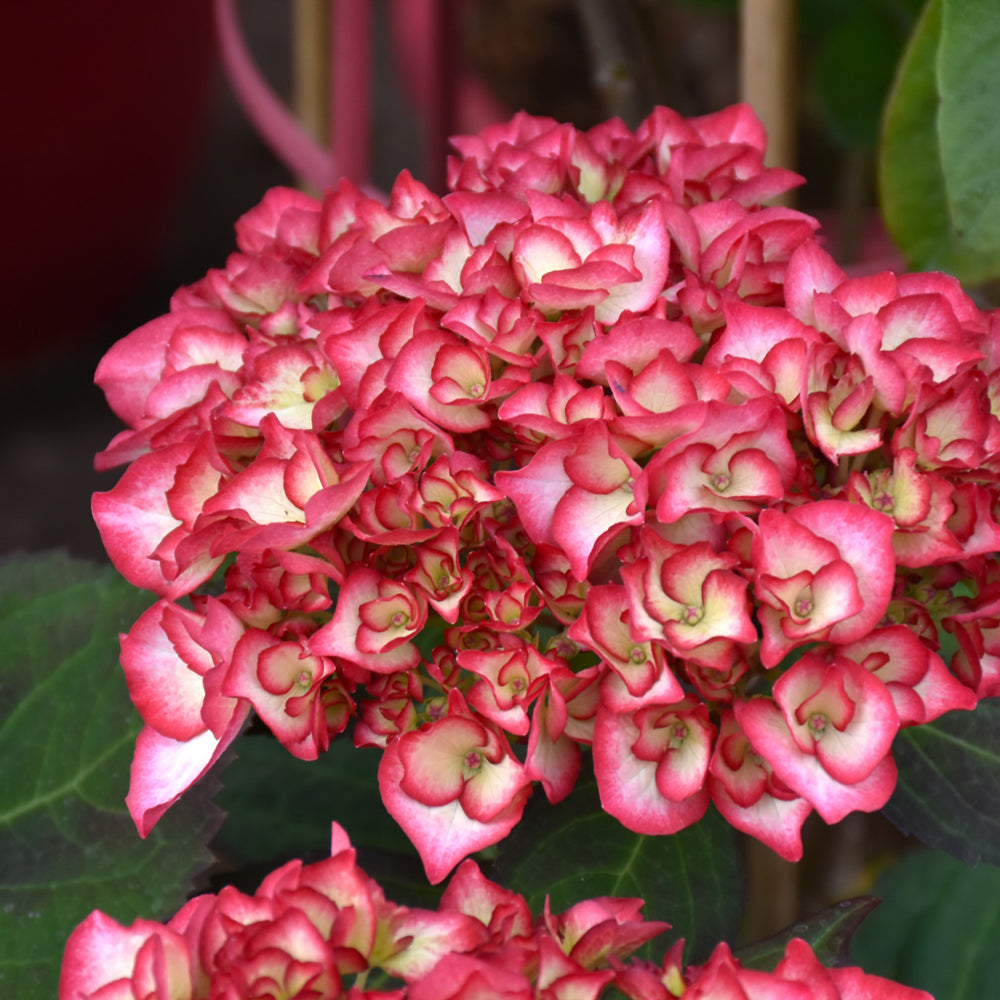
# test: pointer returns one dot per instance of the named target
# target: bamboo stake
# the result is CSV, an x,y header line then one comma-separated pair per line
x,y
767,69
772,890
310,66
332,79
767,82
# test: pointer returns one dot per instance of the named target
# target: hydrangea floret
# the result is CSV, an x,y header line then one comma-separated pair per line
x,y
326,930
596,460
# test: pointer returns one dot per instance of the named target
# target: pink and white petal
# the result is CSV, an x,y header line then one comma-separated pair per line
x,y
597,273
550,297
134,516
664,689
783,546
752,332
581,520
765,726
555,762
681,773
836,597
537,488
864,537
647,233
427,936
100,959
163,769
443,835
480,212
433,759
800,683
540,249
165,690
726,612
339,636
850,753
258,492
495,907
774,822
940,691
853,983
490,791
628,786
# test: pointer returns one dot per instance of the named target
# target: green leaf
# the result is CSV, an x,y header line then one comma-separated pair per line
x,y
574,850
949,774
67,843
828,933
924,175
967,121
937,928
280,808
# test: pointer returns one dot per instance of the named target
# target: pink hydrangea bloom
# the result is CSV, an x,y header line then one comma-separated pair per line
x,y
318,931
560,469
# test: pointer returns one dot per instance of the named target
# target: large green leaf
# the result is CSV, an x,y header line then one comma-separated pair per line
x,y
967,64
948,793
935,150
938,928
574,850
67,843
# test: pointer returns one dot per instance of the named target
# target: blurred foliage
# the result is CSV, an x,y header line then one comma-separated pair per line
x,y
937,928
67,728
949,777
938,177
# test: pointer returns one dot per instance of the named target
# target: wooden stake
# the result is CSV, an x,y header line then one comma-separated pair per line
x,y
772,888
768,82
311,66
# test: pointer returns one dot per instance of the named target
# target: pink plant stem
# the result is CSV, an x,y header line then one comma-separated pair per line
x,y
351,86
297,150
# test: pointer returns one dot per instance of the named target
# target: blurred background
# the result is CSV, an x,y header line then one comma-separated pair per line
x,y
131,159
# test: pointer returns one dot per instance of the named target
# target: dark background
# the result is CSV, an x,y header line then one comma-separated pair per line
x,y
129,160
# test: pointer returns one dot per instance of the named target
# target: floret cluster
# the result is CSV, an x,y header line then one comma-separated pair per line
x,y
326,930
595,461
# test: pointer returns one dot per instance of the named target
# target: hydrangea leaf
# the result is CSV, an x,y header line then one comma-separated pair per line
x,y
937,927
970,142
67,843
829,934
279,807
574,850
927,183
949,772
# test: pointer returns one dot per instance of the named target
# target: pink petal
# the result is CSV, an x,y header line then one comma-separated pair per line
x,y
445,834
165,688
134,518
433,759
339,636
163,769
764,724
628,786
